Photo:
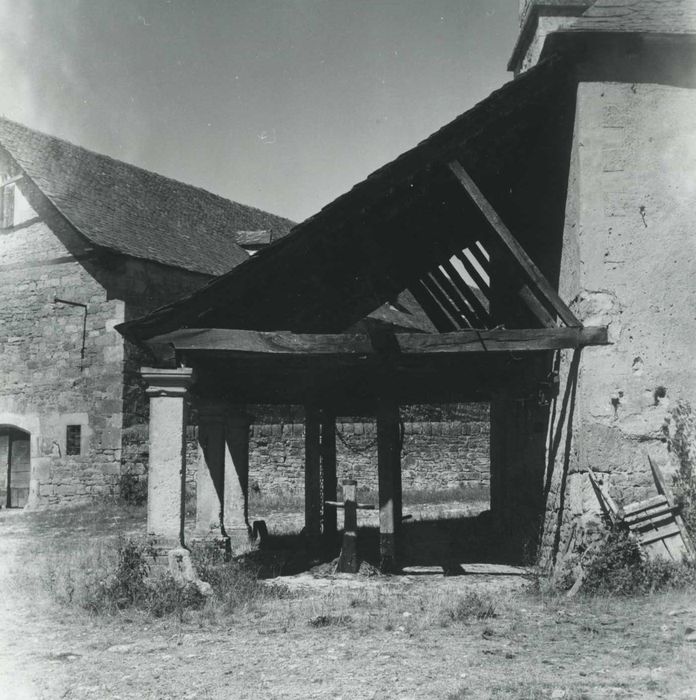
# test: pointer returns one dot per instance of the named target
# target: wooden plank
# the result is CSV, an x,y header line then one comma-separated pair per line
x,y
284,343
510,243
469,296
448,287
654,502
536,307
328,475
605,500
667,531
432,309
445,302
312,477
389,478
481,259
473,273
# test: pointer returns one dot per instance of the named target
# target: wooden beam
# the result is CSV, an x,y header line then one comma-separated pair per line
x,y
473,273
389,477
328,475
460,304
535,306
312,477
469,295
445,302
432,309
510,243
359,346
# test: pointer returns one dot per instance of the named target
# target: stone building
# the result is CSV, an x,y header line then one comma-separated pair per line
x,y
572,187
88,242
626,244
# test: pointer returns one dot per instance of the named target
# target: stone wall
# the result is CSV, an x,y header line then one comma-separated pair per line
x,y
437,455
627,264
52,377
60,364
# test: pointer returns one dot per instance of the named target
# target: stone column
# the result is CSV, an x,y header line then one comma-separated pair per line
x,y
210,475
235,508
167,389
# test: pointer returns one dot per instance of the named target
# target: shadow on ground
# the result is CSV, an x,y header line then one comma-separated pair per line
x,y
442,542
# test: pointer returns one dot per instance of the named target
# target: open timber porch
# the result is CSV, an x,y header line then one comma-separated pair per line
x,y
330,375
435,280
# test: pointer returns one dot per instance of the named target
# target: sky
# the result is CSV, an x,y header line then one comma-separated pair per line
x,y
279,104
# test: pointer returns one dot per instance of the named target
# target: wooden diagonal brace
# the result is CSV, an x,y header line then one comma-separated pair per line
x,y
510,243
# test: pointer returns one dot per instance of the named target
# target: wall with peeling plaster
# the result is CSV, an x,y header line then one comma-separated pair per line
x,y
629,246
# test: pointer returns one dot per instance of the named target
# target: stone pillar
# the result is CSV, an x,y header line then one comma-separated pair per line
x,y
235,506
167,389
210,475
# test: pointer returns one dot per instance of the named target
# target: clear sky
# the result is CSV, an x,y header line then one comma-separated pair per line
x,y
281,104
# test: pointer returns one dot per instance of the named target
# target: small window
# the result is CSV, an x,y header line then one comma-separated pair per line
x,y
73,440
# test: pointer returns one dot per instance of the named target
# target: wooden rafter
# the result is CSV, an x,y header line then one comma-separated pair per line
x,y
504,237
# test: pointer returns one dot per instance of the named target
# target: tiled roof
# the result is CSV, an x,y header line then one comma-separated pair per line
x,y
315,280
652,16
135,212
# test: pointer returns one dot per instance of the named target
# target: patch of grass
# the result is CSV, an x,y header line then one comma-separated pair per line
x,y
472,606
329,620
619,567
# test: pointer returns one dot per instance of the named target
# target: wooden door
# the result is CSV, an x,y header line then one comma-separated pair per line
x,y
18,460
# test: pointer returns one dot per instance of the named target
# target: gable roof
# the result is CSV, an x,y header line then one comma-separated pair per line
x,y
640,16
133,211
345,262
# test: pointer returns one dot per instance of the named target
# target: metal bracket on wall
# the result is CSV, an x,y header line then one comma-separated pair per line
x,y
56,300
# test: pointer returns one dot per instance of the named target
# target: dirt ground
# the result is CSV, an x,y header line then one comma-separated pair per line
x,y
383,637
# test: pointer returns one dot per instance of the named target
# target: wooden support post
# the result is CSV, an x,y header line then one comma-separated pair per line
x,y
312,477
328,476
348,561
389,477
210,474
235,507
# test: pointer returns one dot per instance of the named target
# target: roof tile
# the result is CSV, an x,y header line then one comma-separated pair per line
x,y
134,211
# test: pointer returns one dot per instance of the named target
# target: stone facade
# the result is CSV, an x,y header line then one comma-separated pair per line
x,y
64,364
623,261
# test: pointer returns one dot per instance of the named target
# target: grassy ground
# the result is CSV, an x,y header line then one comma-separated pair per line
x,y
327,637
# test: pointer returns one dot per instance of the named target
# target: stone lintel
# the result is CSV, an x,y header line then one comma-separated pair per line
x,y
168,382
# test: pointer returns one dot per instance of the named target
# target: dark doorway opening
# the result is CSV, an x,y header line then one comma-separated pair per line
x,y
15,467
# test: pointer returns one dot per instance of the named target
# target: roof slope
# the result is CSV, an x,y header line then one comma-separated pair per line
x,y
651,16
134,211
344,263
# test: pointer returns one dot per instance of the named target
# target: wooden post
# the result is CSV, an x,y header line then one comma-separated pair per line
x,y
328,475
389,477
348,561
211,464
312,477
235,504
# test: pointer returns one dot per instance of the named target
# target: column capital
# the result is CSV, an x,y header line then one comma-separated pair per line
x,y
167,382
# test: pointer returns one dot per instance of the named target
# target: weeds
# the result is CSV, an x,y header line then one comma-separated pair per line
x,y
618,567
680,431
472,606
